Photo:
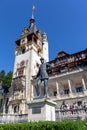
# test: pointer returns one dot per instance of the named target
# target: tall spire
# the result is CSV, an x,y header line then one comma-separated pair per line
x,y
32,27
33,9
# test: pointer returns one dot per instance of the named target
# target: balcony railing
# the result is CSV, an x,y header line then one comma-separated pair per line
x,y
74,114
15,118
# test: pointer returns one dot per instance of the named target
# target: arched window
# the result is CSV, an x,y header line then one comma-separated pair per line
x,y
16,109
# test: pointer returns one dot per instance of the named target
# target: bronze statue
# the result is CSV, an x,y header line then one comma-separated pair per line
x,y
42,75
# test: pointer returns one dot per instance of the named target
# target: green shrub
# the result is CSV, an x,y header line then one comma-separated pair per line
x,y
48,125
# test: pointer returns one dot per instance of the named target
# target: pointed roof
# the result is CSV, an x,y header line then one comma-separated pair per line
x,y
32,28
62,54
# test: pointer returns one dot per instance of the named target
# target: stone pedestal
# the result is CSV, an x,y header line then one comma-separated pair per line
x,y
41,110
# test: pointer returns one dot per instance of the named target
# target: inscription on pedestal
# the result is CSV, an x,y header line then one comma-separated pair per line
x,y
36,110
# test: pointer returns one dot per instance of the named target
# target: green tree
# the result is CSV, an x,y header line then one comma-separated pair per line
x,y
8,79
2,76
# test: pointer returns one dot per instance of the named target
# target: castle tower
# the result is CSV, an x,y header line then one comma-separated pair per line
x,y
30,47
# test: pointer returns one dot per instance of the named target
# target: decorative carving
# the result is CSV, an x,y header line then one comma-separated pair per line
x,y
22,63
17,85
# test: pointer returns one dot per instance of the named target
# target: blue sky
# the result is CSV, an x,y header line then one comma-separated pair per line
x,y
64,21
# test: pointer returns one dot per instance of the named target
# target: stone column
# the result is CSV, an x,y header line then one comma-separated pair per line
x,y
70,87
4,106
84,86
57,88
4,109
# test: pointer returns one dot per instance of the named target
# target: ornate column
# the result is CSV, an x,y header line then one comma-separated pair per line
x,y
57,88
70,87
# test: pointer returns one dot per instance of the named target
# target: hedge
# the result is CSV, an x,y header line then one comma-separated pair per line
x,y
63,125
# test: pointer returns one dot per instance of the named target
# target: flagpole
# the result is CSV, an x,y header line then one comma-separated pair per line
x,y
33,9
32,14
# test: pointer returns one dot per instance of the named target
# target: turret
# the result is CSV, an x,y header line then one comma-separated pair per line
x,y
45,47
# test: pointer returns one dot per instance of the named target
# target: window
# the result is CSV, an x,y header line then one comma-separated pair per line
x,y
79,103
23,50
1,102
79,89
20,71
23,40
63,60
37,65
66,91
55,93
16,109
22,63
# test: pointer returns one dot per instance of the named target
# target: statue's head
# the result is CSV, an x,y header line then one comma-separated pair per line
x,y
42,60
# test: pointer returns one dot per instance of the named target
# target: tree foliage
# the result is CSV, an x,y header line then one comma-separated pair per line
x,y
5,79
